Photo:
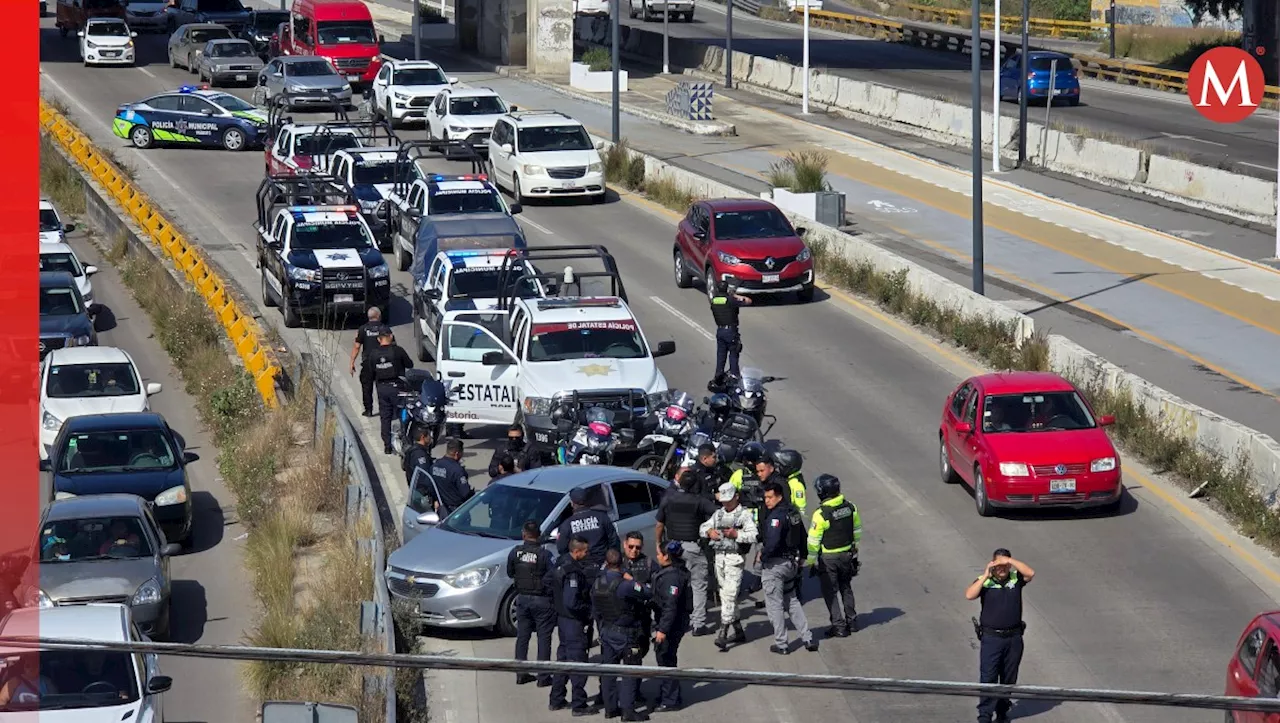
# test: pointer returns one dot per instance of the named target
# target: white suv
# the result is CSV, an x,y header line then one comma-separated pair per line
x,y
545,154
465,114
403,89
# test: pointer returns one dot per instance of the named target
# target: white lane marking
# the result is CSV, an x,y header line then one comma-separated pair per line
x,y
887,482
538,226
1192,138
680,315
147,73
1257,165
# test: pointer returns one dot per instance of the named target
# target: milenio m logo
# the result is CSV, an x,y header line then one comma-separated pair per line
x,y
1226,84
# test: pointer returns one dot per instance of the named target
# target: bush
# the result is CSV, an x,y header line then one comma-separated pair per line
x,y
59,181
1175,48
622,167
800,172
598,60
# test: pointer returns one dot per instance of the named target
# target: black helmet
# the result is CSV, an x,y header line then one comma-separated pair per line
x,y
788,462
751,453
827,486
720,404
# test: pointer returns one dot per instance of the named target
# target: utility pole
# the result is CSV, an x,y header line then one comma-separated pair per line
x,y
995,92
614,16
805,102
1111,19
666,37
417,29
728,44
976,73
1022,83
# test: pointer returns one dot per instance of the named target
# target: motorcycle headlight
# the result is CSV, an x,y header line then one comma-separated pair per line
x,y
63,496
148,593
50,422
1104,464
381,271
728,259
804,255
1013,469
531,170
172,496
472,578
537,406
300,274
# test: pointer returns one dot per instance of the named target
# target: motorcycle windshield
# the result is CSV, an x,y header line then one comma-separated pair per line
x,y
598,415
682,400
435,392
752,380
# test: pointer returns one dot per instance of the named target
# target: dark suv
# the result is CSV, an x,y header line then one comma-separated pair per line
x,y
65,320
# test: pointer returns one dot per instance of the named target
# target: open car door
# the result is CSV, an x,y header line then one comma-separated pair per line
x,y
482,368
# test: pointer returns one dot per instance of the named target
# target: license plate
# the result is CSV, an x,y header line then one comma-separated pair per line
x,y
1058,91
347,299
771,278
1058,486
241,77
353,78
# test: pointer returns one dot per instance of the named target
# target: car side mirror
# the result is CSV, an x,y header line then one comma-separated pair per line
x,y
599,145
428,519
171,549
381,39
800,230
665,348
516,209
68,227
153,388
133,34
453,81
159,684
964,428
90,270
495,358
433,294
1106,420
505,148
46,465
206,112
80,34
627,436
513,109
189,457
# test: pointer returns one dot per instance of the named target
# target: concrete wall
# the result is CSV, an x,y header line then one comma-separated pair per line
x,y
549,36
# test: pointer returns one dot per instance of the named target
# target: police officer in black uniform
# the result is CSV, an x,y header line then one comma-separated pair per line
x,y
593,524
619,604
1000,627
572,597
528,565
725,304
641,569
520,454
679,516
366,341
418,456
451,483
673,605
388,361
706,476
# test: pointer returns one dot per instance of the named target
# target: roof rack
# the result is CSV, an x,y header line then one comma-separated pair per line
x,y
521,262
277,191
410,152
278,109
518,114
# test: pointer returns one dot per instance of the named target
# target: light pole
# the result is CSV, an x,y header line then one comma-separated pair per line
x,y
976,72
728,44
614,16
805,103
417,30
995,92
1111,19
666,19
1022,84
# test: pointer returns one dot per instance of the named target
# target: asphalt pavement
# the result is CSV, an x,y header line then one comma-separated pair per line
x,y
210,585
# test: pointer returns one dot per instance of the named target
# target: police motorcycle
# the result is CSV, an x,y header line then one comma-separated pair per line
x,y
748,395
592,441
665,449
725,427
421,401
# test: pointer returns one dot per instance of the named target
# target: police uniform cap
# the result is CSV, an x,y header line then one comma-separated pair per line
x,y
674,549
578,496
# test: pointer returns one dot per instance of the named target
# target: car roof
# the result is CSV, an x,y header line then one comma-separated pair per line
x,y
1015,382
56,247
115,420
206,26
471,92
52,279
291,59
228,41
46,204
89,355
98,622
739,204
414,64
113,505
542,119
564,478
595,308
98,20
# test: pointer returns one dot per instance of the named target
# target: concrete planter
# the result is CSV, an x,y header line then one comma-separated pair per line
x,y
826,207
583,78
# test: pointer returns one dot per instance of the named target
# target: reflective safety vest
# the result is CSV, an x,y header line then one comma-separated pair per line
x,y
836,528
724,310
797,486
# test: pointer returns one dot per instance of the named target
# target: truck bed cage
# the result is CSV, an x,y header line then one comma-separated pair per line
x,y
278,111
524,263
300,190
413,151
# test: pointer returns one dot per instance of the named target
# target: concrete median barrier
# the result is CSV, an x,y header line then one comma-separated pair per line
x,y
1217,189
1076,155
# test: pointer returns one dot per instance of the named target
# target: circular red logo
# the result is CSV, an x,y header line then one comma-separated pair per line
x,y
1226,85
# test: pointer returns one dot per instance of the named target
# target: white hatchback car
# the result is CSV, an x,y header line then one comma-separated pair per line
x,y
106,41
545,154
80,380
61,257
52,229
70,686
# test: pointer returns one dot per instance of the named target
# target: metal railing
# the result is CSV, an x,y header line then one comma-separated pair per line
x,y
1040,27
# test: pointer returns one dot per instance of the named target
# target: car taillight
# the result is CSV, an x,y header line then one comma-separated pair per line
x,y
1031,76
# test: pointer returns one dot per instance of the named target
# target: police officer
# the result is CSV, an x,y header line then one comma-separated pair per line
x,y
516,448
366,341
673,605
388,362
679,516
783,467
640,568
451,483
619,603
833,540
572,597
751,486
725,304
705,476
1000,627
593,524
418,456
528,565
731,531
783,550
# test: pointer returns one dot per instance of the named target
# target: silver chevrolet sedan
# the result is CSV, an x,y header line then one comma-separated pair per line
x,y
228,62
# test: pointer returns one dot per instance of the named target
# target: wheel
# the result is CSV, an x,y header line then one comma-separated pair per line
x,y
709,280
191,64
141,137
292,319
420,349
949,475
649,464
391,119
507,615
267,301
1073,101
403,258
805,295
683,278
688,17
516,196
233,139
172,63
631,11
980,500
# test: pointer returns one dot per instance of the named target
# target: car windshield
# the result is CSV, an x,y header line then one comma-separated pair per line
x,y
220,6
101,4
116,379
1046,63
482,283
445,199
587,340
477,105
114,30
207,34
117,451
762,223
1035,412
310,69
59,301
268,22
321,236
554,138
49,220
345,33
98,538
371,173
231,102
500,511
323,144
420,76
232,50
67,679
61,262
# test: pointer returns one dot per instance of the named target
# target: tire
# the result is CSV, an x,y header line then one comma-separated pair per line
x,y
233,139
683,278
419,348
141,137
191,65
172,63
516,196
391,119
292,319
688,17
1073,101
507,615
980,499
649,464
949,475
709,280
267,301
805,295
403,258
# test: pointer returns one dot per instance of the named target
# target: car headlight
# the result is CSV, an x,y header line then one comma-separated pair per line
x,y
293,89
50,422
457,129
90,44
1103,464
472,578
129,45
63,496
148,593
172,496
595,167
537,406
804,255
81,340
43,600
657,399
381,271
728,259
300,274
1014,469
530,170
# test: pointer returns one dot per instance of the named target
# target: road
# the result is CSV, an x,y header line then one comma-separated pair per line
x,y
1150,598
210,585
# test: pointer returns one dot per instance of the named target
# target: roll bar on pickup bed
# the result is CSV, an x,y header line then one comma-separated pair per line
x,y
282,191
525,263
411,152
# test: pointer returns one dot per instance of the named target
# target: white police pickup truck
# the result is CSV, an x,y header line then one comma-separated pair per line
x,y
441,211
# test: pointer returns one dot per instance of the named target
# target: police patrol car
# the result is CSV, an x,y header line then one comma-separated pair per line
x,y
321,260
369,173
193,116
309,148
439,207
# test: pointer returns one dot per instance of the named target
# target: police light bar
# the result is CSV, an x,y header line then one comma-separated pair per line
x,y
600,301
193,88
473,253
323,209
468,177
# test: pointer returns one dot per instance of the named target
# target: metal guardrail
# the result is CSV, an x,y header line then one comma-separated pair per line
x,y
1040,27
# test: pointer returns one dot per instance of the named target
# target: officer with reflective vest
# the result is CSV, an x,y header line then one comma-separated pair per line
x,y
725,304
388,361
673,605
833,540
571,594
528,564
619,603
1001,626
679,516
783,467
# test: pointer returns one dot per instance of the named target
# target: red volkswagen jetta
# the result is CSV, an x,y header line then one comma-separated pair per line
x,y
746,240
1027,439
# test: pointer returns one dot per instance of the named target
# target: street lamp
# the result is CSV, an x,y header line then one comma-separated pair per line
x,y
614,16
976,73
804,106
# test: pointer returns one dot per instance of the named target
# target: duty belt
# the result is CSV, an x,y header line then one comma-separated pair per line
x,y
1005,632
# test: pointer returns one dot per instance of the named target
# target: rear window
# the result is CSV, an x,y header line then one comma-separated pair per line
x,y
1064,63
207,34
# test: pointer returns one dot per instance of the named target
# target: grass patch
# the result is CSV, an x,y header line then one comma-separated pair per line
x,y
625,168
1048,9
800,172
124,169
59,182
1173,48
430,15
598,60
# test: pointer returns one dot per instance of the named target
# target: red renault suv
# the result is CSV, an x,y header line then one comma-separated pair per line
x,y
745,240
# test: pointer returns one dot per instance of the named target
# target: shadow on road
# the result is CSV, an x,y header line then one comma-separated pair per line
x,y
189,611
208,522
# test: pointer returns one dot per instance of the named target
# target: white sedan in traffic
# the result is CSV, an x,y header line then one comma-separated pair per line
x,y
61,257
106,41
83,380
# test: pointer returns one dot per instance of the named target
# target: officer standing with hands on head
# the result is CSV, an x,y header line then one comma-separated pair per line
x,y
673,605
528,565
366,341
388,360
833,539
572,597
1000,627
452,485
783,550
725,304
619,603
679,517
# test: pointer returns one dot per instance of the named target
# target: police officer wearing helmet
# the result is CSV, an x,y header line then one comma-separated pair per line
x,y
680,514
833,540
619,602
528,564
725,304
787,463
1000,626
388,361
674,604
366,342
571,593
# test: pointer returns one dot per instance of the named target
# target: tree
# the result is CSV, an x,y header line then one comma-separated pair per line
x,y
1214,8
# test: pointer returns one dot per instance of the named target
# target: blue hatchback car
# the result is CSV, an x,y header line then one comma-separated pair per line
x,y
1066,85
126,453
